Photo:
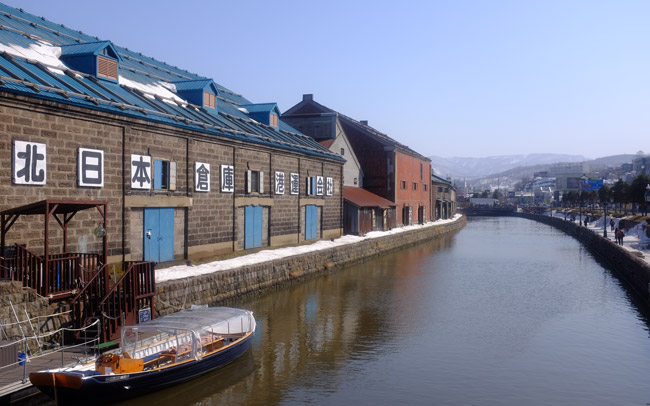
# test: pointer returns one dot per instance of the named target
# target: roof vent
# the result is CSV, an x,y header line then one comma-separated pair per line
x,y
202,92
99,59
266,113
307,97
364,122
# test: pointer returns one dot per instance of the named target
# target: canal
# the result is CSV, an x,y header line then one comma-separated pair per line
x,y
506,311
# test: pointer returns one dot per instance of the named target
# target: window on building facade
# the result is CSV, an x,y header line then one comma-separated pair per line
x,y
420,171
415,186
342,151
425,187
403,185
273,121
439,189
254,181
164,175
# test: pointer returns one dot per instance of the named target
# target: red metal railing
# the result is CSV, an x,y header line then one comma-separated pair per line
x,y
64,272
134,291
86,302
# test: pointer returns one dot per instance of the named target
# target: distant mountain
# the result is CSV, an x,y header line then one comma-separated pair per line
x,y
508,178
472,168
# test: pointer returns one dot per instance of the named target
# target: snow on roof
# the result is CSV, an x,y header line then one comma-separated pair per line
x,y
151,89
41,52
185,271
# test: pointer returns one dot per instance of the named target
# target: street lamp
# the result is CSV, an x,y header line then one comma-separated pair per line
x,y
605,222
647,197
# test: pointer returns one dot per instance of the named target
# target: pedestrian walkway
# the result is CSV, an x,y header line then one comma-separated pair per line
x,y
14,379
634,241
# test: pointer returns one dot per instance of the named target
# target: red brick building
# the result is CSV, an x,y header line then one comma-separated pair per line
x,y
390,169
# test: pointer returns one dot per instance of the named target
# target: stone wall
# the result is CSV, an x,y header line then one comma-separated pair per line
x,y
218,287
629,267
25,302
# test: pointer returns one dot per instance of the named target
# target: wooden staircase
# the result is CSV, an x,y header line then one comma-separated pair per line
x,y
117,305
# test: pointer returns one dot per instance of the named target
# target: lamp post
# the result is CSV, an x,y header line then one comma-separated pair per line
x,y
605,222
647,198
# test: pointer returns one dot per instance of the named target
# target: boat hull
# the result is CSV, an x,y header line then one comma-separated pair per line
x,y
73,388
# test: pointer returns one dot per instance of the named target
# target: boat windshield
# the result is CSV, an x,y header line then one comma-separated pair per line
x,y
187,334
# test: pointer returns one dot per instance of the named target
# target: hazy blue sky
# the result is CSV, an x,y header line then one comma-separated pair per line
x,y
448,78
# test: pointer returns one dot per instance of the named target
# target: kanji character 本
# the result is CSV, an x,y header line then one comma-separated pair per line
x,y
227,178
202,176
279,183
140,167
29,166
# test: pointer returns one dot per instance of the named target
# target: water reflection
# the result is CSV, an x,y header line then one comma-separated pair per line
x,y
506,311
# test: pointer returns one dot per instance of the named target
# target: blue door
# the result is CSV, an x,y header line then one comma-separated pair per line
x,y
159,234
311,222
252,227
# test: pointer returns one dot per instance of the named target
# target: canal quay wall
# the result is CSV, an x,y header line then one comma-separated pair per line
x,y
628,265
221,286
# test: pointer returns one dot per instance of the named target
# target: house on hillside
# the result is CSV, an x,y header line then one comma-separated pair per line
x,y
390,170
189,168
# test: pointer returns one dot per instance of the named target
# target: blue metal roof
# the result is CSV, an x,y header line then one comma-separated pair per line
x,y
89,48
146,90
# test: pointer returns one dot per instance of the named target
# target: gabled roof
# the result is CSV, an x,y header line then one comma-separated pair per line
x,y
199,84
362,198
90,48
262,108
309,107
30,48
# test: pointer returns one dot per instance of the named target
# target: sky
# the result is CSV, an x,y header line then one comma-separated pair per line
x,y
454,78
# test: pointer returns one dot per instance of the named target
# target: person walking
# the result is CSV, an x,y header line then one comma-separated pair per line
x,y
611,224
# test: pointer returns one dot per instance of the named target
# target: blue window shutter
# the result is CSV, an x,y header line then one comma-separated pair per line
x,y
157,174
258,226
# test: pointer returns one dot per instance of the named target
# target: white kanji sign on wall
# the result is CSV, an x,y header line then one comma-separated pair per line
x,y
90,167
295,184
201,177
140,172
29,163
279,183
319,185
227,178
329,186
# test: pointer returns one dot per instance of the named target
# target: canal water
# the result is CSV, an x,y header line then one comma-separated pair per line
x,y
506,311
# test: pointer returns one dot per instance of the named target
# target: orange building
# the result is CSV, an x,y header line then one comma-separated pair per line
x,y
390,169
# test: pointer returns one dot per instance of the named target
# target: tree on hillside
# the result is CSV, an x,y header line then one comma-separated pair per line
x,y
496,194
637,191
604,194
620,192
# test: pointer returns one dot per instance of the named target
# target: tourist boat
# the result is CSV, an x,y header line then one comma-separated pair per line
x,y
154,355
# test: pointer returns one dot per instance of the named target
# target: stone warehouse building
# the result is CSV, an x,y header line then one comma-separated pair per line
x,y
189,168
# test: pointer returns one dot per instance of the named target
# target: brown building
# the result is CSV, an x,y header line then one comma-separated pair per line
x,y
189,169
390,170
443,198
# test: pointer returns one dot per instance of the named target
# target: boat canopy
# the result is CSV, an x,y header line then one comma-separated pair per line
x,y
187,328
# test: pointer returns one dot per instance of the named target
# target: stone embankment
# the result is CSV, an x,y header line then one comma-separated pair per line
x,y
627,265
24,314
221,286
